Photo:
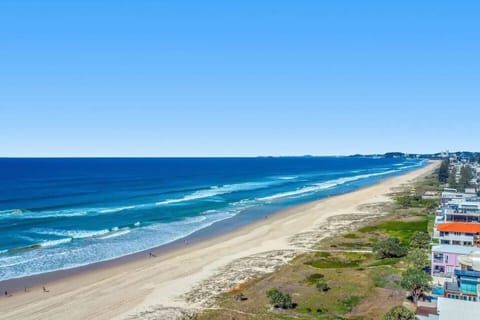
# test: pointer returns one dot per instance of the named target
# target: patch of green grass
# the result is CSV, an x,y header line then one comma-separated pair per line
x,y
385,277
385,262
402,230
431,222
322,254
350,236
332,264
349,303
314,278
354,245
339,260
358,256
369,229
416,201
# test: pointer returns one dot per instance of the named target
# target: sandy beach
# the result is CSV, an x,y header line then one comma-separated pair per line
x,y
184,279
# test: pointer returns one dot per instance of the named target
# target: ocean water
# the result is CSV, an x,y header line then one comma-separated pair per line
x,y
63,213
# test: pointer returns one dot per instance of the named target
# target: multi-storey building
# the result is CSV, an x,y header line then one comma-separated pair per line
x,y
459,233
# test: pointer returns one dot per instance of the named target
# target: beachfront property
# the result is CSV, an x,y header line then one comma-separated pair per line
x,y
456,207
465,210
444,259
458,298
450,194
459,233
449,309
466,281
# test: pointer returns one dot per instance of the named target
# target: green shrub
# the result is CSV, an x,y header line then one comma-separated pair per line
x,y
399,313
389,248
279,299
322,286
350,302
420,240
350,236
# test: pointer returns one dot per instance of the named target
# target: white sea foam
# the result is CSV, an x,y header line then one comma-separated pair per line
x,y
76,234
218,190
118,209
51,243
322,186
12,212
76,212
288,177
198,219
120,232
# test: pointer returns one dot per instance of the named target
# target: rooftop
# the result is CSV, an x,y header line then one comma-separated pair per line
x,y
452,249
459,227
458,309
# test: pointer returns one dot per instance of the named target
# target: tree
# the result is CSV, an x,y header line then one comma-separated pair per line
x,y
466,175
443,171
399,313
420,240
416,281
417,258
452,178
389,248
279,299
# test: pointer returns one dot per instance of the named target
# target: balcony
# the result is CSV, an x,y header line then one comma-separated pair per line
x,y
452,287
467,273
453,237
450,212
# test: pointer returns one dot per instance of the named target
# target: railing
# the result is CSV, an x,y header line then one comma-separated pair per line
x,y
467,273
451,286
456,238
461,212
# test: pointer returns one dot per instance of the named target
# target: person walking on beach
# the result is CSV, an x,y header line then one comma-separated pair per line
x,y
45,289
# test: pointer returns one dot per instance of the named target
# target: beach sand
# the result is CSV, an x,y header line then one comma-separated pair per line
x,y
179,281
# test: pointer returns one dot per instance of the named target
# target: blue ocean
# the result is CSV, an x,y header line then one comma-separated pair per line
x,y
63,213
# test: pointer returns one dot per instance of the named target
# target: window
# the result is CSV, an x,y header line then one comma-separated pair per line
x,y
438,257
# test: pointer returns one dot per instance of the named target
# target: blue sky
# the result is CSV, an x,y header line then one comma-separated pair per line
x,y
238,78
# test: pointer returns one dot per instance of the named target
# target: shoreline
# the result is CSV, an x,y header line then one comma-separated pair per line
x,y
16,285
133,284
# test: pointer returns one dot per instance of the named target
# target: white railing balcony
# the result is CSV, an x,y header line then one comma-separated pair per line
x,y
452,237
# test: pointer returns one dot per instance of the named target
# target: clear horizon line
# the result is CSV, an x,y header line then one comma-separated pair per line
x,y
204,156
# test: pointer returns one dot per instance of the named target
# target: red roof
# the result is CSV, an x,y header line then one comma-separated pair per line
x,y
459,227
